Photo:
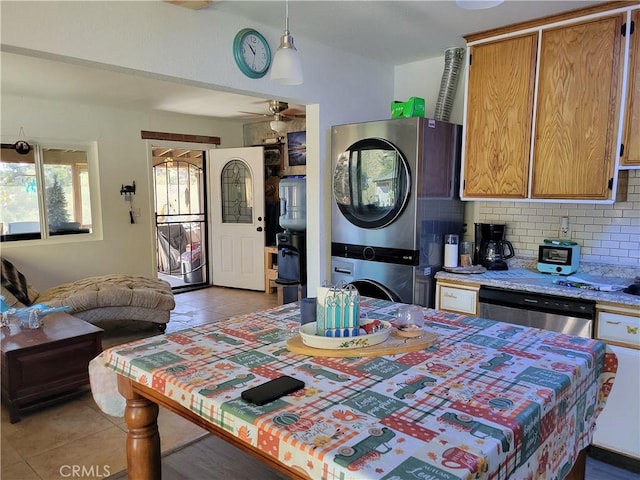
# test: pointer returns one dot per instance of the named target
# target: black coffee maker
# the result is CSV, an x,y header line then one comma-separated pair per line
x,y
491,248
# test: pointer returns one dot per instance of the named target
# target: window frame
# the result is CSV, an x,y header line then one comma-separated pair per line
x,y
45,236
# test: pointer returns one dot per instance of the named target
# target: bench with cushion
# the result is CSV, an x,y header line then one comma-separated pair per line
x,y
95,299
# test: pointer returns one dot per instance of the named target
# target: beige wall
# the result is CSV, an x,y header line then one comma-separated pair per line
x,y
160,40
122,158
422,79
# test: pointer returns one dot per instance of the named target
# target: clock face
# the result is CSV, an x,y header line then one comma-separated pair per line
x,y
252,53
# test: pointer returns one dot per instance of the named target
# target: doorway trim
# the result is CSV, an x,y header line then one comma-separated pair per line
x,y
150,144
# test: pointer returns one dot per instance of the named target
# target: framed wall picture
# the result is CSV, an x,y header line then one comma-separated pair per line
x,y
296,159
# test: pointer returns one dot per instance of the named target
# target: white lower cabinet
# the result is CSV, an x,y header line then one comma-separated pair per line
x,y
459,298
618,426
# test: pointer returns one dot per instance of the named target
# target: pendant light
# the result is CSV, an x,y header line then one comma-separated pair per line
x,y
287,68
278,125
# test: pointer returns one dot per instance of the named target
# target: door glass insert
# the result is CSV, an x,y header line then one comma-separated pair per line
x,y
371,183
237,193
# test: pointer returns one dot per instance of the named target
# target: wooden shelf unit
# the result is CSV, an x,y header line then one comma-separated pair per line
x,y
270,267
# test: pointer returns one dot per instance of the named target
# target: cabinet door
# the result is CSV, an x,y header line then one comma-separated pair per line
x,y
577,107
618,426
619,329
631,154
499,113
457,299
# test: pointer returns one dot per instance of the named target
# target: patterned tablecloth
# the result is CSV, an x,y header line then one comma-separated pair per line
x,y
488,400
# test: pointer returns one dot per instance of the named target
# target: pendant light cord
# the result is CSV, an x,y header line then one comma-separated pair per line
x,y
286,17
286,68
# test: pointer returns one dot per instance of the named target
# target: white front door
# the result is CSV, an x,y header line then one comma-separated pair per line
x,y
237,217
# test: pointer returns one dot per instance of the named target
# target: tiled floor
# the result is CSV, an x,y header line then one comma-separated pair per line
x,y
75,439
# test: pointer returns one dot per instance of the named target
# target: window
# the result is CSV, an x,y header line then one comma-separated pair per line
x,y
44,193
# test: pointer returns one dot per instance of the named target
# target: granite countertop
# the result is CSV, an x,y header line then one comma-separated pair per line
x,y
523,276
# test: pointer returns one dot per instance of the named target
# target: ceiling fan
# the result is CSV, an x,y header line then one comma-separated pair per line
x,y
281,113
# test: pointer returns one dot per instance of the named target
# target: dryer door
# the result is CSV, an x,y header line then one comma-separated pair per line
x,y
371,183
387,281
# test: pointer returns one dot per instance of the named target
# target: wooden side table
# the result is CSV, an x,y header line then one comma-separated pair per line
x,y
300,291
48,364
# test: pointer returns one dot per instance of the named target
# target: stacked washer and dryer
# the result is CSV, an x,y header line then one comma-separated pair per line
x,y
395,196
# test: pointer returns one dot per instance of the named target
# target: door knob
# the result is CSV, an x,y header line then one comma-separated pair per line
x,y
259,229
259,219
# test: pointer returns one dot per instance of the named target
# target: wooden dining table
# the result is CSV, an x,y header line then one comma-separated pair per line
x,y
484,400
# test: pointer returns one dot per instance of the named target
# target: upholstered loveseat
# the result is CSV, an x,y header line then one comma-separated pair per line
x,y
96,299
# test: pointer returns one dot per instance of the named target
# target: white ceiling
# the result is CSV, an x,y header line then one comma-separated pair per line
x,y
392,32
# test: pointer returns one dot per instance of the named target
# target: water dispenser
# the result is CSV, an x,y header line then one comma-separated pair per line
x,y
293,204
292,255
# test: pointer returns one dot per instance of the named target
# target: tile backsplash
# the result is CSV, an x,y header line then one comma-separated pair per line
x,y
606,233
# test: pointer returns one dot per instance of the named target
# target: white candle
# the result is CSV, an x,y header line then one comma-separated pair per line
x,y
451,251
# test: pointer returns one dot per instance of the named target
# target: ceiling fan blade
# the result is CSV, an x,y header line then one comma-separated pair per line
x,y
256,114
278,111
294,113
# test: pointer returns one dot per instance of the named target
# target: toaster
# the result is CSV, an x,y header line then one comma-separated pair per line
x,y
560,257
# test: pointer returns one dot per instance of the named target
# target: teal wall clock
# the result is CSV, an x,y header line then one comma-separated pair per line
x,y
252,53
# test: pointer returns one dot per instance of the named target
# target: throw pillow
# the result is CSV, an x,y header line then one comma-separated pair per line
x,y
15,282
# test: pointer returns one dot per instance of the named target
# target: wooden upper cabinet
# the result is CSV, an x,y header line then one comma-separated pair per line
x,y
631,139
499,116
579,92
560,79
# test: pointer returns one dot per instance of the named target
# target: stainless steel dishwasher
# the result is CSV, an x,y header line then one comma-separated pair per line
x,y
573,316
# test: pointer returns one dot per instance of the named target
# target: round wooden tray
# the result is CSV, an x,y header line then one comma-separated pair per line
x,y
392,345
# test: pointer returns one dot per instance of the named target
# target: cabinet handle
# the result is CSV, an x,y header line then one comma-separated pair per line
x,y
612,323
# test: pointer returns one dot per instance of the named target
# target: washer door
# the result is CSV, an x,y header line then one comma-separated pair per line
x,y
371,183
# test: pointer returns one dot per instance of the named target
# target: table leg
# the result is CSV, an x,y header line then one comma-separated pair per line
x,y
143,439
579,468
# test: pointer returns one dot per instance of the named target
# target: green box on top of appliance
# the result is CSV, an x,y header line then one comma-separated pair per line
x,y
414,107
